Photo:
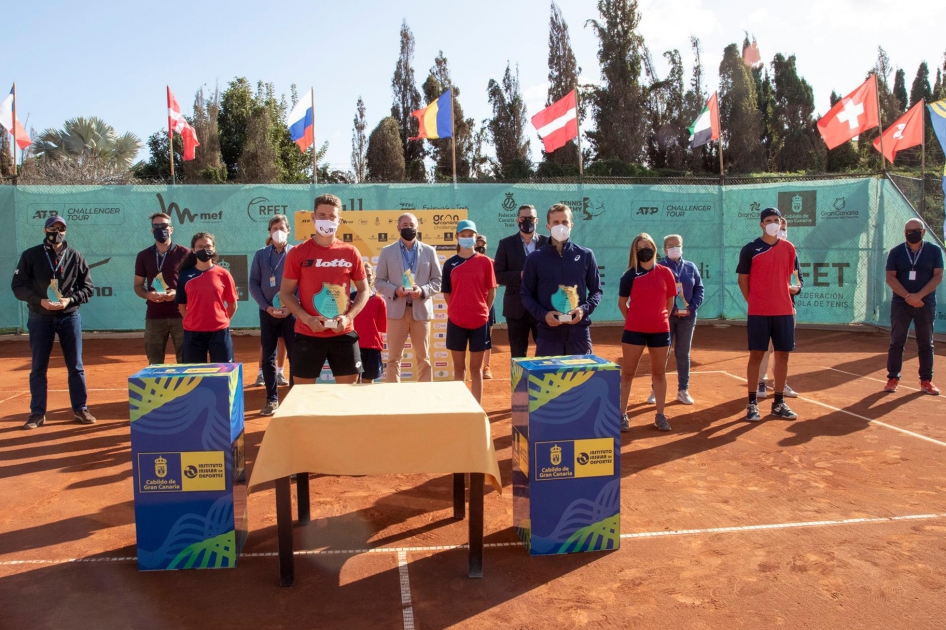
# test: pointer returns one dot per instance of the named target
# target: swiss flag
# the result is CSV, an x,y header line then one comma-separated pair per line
x,y
905,133
852,115
558,123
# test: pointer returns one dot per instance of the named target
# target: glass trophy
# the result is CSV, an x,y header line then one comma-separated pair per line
x,y
158,284
277,303
52,293
407,281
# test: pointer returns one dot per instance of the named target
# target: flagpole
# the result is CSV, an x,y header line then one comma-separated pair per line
x,y
453,137
14,132
923,159
581,169
170,138
880,125
315,167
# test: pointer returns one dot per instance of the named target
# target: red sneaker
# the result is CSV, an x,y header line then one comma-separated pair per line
x,y
929,388
892,384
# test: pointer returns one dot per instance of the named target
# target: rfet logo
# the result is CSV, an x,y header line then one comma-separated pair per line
x,y
261,209
186,216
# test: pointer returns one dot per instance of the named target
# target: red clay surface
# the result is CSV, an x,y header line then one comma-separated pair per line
x,y
66,493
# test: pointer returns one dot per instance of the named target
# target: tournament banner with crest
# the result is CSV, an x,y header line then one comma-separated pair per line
x,y
566,454
372,230
188,465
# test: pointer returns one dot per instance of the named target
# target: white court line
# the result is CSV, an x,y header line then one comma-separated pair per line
x,y
858,416
871,378
12,397
405,550
407,608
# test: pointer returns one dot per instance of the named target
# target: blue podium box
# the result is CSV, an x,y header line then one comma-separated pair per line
x,y
566,454
188,465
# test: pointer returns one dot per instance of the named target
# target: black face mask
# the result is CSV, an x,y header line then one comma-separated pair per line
x,y
55,238
408,233
914,237
645,255
161,235
203,255
527,226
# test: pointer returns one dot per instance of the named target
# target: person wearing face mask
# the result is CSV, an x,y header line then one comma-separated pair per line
x,y
914,270
481,245
765,270
207,300
156,282
410,308
469,286
683,312
561,288
510,259
646,297
795,289
276,324
53,279
324,269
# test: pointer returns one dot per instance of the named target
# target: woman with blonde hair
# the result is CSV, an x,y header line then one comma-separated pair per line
x,y
647,294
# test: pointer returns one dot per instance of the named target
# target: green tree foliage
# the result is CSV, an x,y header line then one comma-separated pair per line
x,y
668,141
207,167
920,90
237,105
83,139
480,168
507,127
359,143
842,158
890,111
900,88
619,103
259,160
563,78
158,167
407,100
438,82
798,145
385,158
6,155
739,116
705,158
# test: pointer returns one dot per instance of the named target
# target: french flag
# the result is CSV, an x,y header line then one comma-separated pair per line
x,y
302,122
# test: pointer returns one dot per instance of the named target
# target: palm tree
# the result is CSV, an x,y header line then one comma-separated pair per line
x,y
81,139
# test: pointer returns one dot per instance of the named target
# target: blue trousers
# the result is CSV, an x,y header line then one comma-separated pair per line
x,y
270,330
681,338
564,340
901,314
43,330
197,345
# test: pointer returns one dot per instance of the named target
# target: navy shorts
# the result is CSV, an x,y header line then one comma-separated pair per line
x,y
371,363
310,353
779,328
651,340
478,338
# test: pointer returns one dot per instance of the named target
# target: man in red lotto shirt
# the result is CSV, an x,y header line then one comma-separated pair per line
x,y
323,269
765,271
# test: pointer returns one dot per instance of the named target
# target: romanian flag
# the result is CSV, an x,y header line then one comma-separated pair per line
x,y
436,120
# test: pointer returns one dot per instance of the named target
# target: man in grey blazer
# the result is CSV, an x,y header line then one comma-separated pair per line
x,y
409,309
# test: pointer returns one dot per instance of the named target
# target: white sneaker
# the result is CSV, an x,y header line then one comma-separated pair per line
x,y
684,396
789,392
281,379
651,400
259,379
760,392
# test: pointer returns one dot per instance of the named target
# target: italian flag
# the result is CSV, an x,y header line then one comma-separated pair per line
x,y
706,125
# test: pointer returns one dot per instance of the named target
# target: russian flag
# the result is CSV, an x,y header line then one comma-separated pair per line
x,y
302,122
7,122
435,120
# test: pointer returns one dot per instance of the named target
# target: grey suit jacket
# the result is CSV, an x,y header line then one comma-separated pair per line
x,y
390,270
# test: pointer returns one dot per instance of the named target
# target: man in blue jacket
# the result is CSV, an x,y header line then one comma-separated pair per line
x,y
561,289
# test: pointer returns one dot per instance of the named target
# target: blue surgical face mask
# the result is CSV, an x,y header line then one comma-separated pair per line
x,y
467,242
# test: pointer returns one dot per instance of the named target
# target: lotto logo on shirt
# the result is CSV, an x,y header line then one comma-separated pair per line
x,y
338,262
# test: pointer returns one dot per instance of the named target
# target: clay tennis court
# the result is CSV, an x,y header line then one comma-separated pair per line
x,y
836,520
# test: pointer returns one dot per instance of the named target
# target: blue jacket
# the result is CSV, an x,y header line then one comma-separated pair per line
x,y
261,271
688,275
545,271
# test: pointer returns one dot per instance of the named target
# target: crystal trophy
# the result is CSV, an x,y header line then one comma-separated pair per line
x,y
407,281
158,284
52,293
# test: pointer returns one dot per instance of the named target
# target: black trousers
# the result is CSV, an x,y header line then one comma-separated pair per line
x,y
901,316
519,330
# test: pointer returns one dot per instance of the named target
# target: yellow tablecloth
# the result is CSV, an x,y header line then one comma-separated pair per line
x,y
377,429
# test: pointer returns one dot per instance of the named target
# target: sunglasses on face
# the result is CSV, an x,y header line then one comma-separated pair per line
x,y
55,229
160,226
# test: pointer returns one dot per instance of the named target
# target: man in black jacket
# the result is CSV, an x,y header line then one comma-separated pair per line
x,y
510,258
53,313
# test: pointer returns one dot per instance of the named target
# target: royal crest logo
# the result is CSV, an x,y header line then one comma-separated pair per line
x,y
796,204
509,203
555,455
161,467
799,207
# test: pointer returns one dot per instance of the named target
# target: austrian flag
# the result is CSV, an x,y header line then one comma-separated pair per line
x,y
558,123
851,116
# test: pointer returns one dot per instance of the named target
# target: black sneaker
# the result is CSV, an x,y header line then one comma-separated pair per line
x,y
84,417
35,422
660,421
782,411
752,413
625,423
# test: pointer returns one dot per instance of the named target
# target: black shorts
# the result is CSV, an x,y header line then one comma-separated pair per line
x,y
371,364
310,353
779,328
651,340
457,338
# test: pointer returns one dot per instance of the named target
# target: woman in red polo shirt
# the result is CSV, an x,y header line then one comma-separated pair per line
x,y
469,286
646,298
207,299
